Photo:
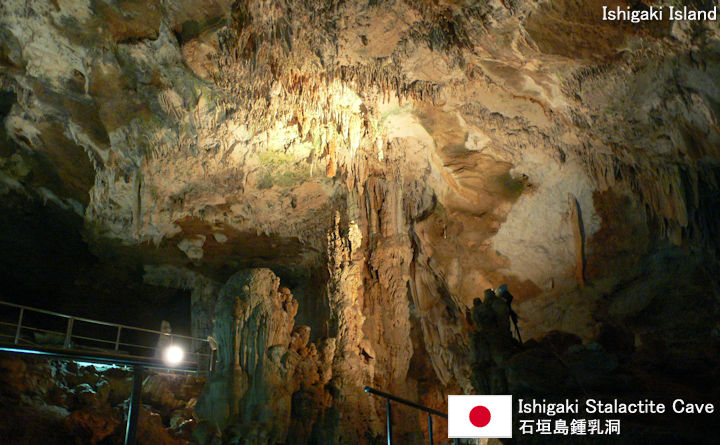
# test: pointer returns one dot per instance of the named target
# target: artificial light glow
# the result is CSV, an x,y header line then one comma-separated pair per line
x,y
173,355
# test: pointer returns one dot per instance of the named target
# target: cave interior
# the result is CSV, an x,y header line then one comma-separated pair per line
x,y
326,188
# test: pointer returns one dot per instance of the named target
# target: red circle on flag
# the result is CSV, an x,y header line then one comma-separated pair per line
x,y
479,416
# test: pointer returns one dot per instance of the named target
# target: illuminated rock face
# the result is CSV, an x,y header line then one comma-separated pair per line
x,y
388,160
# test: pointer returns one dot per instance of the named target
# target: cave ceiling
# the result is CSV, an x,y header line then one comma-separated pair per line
x,y
518,141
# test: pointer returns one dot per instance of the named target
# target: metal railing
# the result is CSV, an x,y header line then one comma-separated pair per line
x,y
118,338
389,397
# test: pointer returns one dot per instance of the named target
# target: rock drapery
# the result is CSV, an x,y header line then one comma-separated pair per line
x,y
266,368
387,160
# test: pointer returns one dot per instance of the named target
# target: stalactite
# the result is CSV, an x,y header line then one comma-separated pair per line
x,y
578,231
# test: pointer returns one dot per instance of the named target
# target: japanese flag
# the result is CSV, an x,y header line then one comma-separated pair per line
x,y
479,416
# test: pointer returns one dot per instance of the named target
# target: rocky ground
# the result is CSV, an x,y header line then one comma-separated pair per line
x,y
65,403
60,403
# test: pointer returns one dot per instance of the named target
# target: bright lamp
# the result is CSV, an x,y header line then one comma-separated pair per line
x,y
173,355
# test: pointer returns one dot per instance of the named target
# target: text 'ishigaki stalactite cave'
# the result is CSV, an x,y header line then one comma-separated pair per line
x,y
426,198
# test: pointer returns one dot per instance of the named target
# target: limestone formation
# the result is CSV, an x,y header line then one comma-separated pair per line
x,y
492,344
62,403
267,373
387,161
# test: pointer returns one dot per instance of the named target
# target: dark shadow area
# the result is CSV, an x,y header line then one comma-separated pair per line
x,y
45,263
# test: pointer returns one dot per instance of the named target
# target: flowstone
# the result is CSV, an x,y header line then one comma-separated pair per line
x,y
264,364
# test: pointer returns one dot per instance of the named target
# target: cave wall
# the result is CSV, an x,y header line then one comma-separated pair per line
x,y
389,160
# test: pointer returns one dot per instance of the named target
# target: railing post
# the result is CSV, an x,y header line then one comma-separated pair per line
x,y
19,326
430,438
117,339
134,406
389,423
68,333
390,397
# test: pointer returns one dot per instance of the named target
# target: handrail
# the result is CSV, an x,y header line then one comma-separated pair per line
x,y
88,320
390,397
136,350
404,401
72,351
98,357
139,364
